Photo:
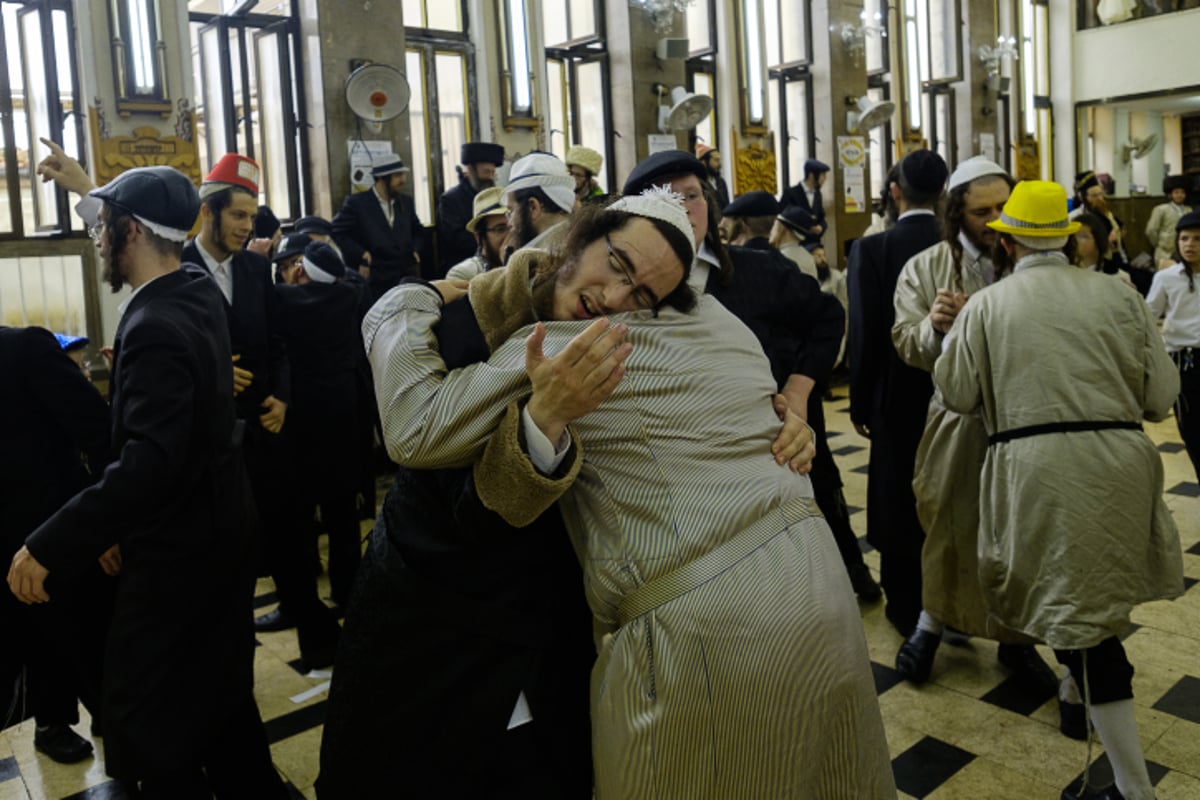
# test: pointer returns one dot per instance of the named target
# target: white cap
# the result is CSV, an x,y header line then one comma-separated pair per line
x,y
659,202
547,172
972,168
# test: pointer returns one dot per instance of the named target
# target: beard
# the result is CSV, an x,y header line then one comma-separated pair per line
x,y
490,252
110,270
523,231
478,183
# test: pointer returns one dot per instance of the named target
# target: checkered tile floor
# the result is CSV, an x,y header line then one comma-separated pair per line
x,y
968,733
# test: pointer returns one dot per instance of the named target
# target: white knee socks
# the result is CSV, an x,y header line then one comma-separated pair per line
x,y
1118,732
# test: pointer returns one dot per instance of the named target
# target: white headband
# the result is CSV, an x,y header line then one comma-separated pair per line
x,y
162,231
316,273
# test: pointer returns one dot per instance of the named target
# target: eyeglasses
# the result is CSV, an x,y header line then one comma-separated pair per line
x,y
641,295
502,227
96,231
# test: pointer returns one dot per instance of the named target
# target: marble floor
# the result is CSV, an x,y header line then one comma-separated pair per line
x,y
965,734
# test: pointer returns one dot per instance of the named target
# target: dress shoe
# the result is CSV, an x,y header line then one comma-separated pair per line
x,y
864,585
1028,667
914,662
61,744
1109,792
1072,720
275,620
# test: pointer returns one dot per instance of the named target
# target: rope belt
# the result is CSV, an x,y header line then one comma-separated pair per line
x,y
1062,427
694,574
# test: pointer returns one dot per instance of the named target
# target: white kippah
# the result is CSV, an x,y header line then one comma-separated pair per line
x,y
162,231
547,172
316,273
659,202
974,167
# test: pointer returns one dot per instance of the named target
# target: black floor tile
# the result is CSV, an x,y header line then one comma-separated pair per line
x,y
844,410
863,470
1171,447
1189,582
8,769
112,790
831,434
864,546
852,510
1133,626
1101,774
294,793
848,450
1194,549
298,721
1185,488
928,764
1017,696
1182,700
885,677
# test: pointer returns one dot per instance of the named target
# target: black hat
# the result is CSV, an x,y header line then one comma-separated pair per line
x,y
922,172
481,153
292,245
661,166
812,165
317,225
162,196
1189,220
322,263
265,223
1085,180
752,204
811,244
1173,182
798,219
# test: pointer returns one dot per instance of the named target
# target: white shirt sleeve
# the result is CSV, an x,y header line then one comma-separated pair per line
x,y
544,455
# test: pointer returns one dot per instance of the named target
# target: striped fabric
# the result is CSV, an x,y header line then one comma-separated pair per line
x,y
755,684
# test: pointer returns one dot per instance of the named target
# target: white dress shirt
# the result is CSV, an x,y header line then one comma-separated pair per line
x,y
222,271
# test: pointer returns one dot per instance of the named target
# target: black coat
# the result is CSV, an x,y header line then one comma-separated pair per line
x,y
888,396
454,613
455,209
361,227
796,196
181,643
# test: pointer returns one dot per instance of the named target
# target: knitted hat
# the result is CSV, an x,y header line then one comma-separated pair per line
x,y
972,168
487,204
659,202
544,171
161,198
752,204
229,171
660,167
585,157
322,263
481,153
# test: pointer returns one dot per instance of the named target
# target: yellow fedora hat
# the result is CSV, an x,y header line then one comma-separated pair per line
x,y
487,204
1037,209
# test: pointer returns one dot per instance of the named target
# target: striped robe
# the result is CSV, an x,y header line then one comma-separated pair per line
x,y
754,684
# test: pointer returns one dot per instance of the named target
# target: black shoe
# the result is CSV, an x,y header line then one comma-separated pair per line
x,y
914,662
318,657
1072,720
1028,667
864,585
1109,792
61,744
276,620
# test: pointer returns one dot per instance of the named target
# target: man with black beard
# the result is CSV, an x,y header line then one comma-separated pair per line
x,y
378,231
540,197
178,705
479,162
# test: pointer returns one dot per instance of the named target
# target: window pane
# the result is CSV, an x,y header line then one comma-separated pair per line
x,y
943,39
583,18
444,15
452,110
706,129
274,145
942,109
556,81
753,61
774,32
235,77
792,30
421,184
44,291
592,123
37,119
413,13
877,150
776,116
554,22
699,35
522,91
214,105
876,17
797,120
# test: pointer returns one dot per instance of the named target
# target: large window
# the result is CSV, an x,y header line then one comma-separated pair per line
x,y
789,95
1034,136
440,63
701,66
249,100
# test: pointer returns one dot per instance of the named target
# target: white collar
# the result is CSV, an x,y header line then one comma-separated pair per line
x,y
210,260
972,252
913,212
124,304
1040,258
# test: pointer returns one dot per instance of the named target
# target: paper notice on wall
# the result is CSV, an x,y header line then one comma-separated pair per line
x,y
661,142
852,151
856,198
364,154
987,146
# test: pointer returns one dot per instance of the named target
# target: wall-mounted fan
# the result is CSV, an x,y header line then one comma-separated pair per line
x,y
869,114
377,93
685,111
1138,148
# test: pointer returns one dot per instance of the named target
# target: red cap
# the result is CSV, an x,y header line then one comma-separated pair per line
x,y
232,170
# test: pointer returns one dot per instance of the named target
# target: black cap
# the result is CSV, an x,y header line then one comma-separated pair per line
x,y
162,195
317,225
1173,182
922,172
292,245
661,166
798,218
323,260
481,153
752,204
812,165
265,223
1189,220
1086,180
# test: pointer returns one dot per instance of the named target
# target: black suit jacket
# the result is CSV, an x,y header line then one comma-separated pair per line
x,y
181,643
795,196
360,226
455,209
254,330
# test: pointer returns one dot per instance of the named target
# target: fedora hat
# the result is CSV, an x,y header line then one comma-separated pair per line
x,y
1036,209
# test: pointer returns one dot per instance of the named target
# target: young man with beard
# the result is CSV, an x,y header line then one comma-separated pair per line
x,y
930,292
747,221
178,707
540,197
490,228
262,391
710,157
479,163
807,194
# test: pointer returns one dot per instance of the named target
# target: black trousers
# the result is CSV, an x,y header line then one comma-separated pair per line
x,y
827,486
1187,405
1109,673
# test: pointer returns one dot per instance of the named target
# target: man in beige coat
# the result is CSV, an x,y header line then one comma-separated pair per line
x,y
1074,529
1160,230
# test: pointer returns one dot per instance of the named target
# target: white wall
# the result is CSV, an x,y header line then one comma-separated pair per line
x,y
1136,57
